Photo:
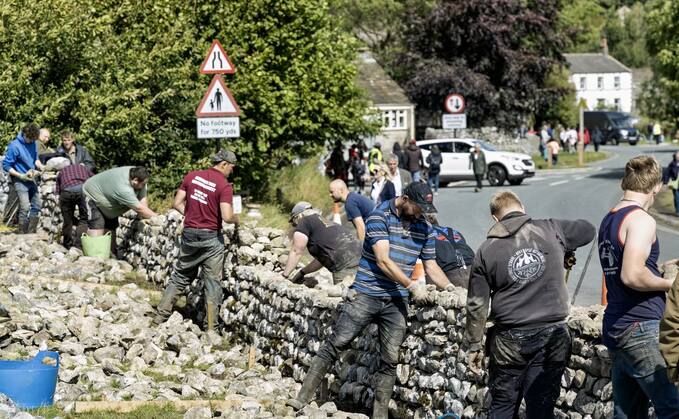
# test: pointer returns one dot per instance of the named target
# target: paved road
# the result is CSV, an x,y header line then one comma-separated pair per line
x,y
583,193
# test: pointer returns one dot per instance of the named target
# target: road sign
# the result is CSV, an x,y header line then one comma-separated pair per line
x,y
216,61
454,103
218,100
454,121
225,127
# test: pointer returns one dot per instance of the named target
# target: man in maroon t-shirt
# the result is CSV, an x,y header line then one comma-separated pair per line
x,y
205,198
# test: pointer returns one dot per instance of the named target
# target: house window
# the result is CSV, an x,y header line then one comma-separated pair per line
x,y
600,82
616,82
616,102
583,83
600,103
393,119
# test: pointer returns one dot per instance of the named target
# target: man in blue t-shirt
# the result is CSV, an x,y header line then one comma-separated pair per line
x,y
397,234
357,206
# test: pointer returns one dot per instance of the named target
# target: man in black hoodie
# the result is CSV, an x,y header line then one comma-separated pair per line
x,y
521,264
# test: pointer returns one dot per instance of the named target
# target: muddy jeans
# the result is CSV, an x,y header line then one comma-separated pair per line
x,y
360,310
200,249
639,373
347,274
527,364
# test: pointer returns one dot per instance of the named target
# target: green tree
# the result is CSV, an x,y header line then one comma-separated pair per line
x,y
564,109
660,99
582,22
124,75
627,37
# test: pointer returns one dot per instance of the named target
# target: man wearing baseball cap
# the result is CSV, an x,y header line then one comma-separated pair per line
x,y
205,198
396,235
331,245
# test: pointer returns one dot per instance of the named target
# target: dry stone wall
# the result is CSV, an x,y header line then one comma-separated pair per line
x,y
288,323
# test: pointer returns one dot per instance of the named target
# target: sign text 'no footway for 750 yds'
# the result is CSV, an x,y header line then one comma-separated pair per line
x,y
225,127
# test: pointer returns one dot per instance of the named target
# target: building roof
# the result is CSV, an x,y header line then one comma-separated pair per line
x,y
594,63
380,88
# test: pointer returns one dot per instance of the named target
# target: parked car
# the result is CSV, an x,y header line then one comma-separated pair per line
x,y
616,127
502,165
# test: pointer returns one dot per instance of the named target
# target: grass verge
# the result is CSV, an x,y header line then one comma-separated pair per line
x,y
144,412
568,160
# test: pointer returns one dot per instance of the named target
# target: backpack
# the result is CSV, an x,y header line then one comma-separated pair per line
x,y
452,250
434,164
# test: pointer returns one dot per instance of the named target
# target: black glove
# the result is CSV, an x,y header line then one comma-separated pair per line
x,y
569,259
298,278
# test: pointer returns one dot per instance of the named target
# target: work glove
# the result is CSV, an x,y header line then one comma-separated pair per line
x,y
569,259
298,278
419,294
24,177
475,360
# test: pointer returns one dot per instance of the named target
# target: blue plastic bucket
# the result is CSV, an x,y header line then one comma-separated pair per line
x,y
30,384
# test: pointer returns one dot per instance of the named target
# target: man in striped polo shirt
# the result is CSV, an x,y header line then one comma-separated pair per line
x,y
397,234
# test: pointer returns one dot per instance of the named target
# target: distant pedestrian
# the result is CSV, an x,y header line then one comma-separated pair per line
x,y
375,158
520,267
382,188
414,160
357,206
553,149
434,160
398,152
453,254
628,252
338,166
671,178
69,189
401,178
572,140
21,162
657,133
597,138
477,162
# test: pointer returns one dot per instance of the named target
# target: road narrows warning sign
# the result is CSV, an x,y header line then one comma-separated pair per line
x,y
216,61
218,100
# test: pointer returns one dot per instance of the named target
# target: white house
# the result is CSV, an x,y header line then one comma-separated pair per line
x,y
396,111
601,80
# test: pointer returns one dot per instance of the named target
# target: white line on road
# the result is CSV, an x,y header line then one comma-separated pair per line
x,y
558,183
579,177
667,229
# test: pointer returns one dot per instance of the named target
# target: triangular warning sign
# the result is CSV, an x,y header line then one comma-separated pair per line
x,y
216,61
218,100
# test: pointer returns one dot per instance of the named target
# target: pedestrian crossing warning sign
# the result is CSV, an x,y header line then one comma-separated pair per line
x,y
217,101
216,61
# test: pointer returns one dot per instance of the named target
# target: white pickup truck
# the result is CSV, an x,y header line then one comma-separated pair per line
x,y
502,165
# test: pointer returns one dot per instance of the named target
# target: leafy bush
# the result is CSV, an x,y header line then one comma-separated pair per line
x,y
123,74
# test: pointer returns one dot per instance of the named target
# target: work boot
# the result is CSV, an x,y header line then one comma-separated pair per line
x,y
166,304
33,224
384,386
23,227
211,317
313,378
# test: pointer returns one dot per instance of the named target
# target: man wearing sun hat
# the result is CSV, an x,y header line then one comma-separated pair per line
x,y
397,235
205,198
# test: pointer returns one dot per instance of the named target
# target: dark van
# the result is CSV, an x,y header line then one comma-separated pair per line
x,y
615,126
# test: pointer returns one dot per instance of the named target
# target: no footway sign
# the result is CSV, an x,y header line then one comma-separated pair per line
x,y
218,100
454,103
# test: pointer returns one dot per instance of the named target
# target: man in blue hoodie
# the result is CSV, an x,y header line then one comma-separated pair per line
x,y
21,161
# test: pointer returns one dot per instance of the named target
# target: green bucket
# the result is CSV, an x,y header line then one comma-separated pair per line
x,y
98,247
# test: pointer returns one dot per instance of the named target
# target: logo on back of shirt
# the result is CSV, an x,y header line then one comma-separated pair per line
x,y
609,262
526,265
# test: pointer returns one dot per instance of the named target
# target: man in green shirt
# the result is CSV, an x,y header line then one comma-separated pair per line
x,y
112,193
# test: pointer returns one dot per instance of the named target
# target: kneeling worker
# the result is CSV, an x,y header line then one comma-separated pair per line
x,y
205,197
112,193
332,246
396,236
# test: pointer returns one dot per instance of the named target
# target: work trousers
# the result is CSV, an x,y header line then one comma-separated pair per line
x,y
528,364
202,249
68,201
359,311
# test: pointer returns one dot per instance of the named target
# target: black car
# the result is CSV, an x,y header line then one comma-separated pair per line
x,y
615,127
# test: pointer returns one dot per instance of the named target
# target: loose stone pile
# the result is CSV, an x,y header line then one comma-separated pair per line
x,y
109,348
4,188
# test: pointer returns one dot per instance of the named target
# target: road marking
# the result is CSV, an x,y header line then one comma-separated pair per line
x,y
558,183
579,177
667,229
457,183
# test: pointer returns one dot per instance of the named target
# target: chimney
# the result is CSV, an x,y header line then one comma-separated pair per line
x,y
604,46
